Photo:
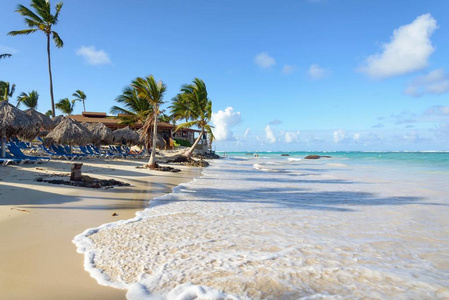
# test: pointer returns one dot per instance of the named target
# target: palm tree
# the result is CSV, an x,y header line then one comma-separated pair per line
x,y
80,96
153,92
193,105
6,90
30,99
42,20
66,106
135,108
48,113
4,55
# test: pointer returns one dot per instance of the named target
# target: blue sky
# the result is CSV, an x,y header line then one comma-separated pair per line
x,y
282,75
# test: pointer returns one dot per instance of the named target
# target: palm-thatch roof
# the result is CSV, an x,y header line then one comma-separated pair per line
x,y
44,121
15,122
58,119
126,134
69,132
101,133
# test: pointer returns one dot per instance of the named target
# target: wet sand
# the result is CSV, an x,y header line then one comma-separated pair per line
x,y
38,222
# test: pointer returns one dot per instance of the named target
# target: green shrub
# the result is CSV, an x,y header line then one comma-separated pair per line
x,y
180,142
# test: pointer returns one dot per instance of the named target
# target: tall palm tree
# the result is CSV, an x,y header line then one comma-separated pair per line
x,y
66,106
6,90
134,108
153,92
4,55
193,105
80,96
30,99
42,20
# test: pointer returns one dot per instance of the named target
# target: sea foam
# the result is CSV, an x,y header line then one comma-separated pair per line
x,y
238,233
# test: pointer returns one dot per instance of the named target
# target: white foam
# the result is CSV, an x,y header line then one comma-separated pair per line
x,y
294,159
238,233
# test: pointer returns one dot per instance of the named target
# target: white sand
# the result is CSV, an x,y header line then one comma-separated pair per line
x,y
39,220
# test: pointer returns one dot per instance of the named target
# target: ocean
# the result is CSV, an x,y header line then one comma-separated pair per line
x,y
277,226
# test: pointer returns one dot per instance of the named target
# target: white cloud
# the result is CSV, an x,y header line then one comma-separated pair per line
x,y
93,56
339,135
269,134
287,69
264,60
316,72
356,137
247,131
408,50
435,82
223,121
292,136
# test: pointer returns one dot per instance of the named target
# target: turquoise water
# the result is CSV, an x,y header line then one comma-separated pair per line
x,y
431,160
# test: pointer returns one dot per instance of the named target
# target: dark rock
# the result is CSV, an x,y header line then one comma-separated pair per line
x,y
285,154
313,156
86,181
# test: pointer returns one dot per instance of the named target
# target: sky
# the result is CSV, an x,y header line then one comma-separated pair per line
x,y
283,75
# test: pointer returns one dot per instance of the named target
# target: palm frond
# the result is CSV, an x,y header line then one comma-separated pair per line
x,y
21,32
42,7
5,55
26,12
58,42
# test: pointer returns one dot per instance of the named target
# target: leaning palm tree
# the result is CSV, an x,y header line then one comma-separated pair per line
x,y
6,90
66,106
30,99
42,20
134,108
80,96
153,92
193,105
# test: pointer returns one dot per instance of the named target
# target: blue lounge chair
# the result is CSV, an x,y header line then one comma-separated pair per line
x,y
61,153
19,154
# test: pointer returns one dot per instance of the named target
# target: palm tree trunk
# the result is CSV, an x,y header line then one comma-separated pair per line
x,y
84,106
152,161
51,80
190,151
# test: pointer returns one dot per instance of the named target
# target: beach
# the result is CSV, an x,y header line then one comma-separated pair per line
x,y
39,221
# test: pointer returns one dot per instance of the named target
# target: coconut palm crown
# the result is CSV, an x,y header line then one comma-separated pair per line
x,y
80,96
42,20
153,92
66,106
6,90
30,99
193,105
134,108
4,55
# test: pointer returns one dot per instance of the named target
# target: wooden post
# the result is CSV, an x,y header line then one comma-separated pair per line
x,y
75,172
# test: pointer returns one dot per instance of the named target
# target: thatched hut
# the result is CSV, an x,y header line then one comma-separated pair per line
x,y
126,135
13,122
69,132
101,133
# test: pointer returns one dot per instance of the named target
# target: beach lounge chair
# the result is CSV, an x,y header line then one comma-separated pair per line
x,y
61,153
17,153
69,151
11,159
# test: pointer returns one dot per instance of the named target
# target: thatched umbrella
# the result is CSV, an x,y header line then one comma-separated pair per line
x,y
125,134
13,122
44,121
101,133
58,119
69,132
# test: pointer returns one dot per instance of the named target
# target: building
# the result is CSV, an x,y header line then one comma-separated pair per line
x,y
165,130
